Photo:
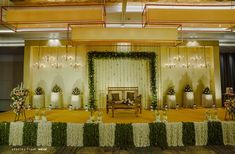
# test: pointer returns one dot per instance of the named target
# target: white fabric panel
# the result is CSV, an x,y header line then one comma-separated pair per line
x,y
174,134
107,134
141,134
228,132
124,72
44,134
75,134
201,133
16,133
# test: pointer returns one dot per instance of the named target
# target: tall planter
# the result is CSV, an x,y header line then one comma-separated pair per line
x,y
38,101
171,101
207,100
188,99
76,101
56,100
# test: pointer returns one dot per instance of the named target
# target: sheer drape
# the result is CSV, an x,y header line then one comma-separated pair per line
x,y
120,72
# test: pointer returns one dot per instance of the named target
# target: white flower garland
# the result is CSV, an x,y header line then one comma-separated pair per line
x,y
228,129
16,133
75,134
174,134
201,133
44,134
107,134
141,134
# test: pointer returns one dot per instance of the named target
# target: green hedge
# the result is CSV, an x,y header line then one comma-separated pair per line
x,y
215,134
124,136
91,134
188,135
157,135
4,133
59,134
30,134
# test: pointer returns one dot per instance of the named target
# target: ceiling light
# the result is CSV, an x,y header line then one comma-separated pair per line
x,y
54,42
203,29
6,31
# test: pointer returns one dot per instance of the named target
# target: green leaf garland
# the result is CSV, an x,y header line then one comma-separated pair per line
x,y
59,134
215,134
91,134
4,133
151,56
188,134
157,135
124,136
30,134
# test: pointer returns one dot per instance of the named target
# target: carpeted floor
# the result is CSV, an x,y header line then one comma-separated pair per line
x,y
121,116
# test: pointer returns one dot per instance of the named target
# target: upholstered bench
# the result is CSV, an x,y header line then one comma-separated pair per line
x,y
123,98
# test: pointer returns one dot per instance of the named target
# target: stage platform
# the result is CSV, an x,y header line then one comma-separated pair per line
x,y
120,116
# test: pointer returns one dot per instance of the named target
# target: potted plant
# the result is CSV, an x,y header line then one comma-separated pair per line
x,y
76,98
207,97
170,97
38,98
56,97
188,99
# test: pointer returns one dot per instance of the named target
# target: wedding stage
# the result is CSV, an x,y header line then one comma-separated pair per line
x,y
121,116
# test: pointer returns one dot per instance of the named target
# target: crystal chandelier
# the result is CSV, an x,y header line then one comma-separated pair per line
x,y
56,64
75,65
39,64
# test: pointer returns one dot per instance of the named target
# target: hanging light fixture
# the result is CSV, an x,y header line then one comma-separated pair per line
x,y
75,65
170,63
67,57
39,64
56,64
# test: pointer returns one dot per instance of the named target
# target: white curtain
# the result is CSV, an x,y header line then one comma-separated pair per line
x,y
122,72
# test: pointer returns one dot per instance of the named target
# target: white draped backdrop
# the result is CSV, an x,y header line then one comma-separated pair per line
x,y
122,72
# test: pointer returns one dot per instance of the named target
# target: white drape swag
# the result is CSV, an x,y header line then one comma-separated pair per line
x,y
107,134
201,133
75,134
141,134
228,129
44,134
16,133
122,72
174,134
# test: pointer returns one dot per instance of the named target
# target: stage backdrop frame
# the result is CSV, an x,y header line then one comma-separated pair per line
x,y
151,56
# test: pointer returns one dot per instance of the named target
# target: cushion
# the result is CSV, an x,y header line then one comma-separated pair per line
x,y
130,95
115,97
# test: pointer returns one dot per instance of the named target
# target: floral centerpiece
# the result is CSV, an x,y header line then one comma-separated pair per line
x,y
206,91
171,98
56,89
18,96
171,91
75,98
76,91
39,91
38,98
56,97
207,98
188,99
188,88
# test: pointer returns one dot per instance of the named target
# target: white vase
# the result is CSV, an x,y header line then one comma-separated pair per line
x,y
55,100
76,101
207,100
38,101
188,99
171,101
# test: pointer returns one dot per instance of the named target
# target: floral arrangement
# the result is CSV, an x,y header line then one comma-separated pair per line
x,y
39,91
171,91
206,91
76,91
188,88
56,89
18,96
